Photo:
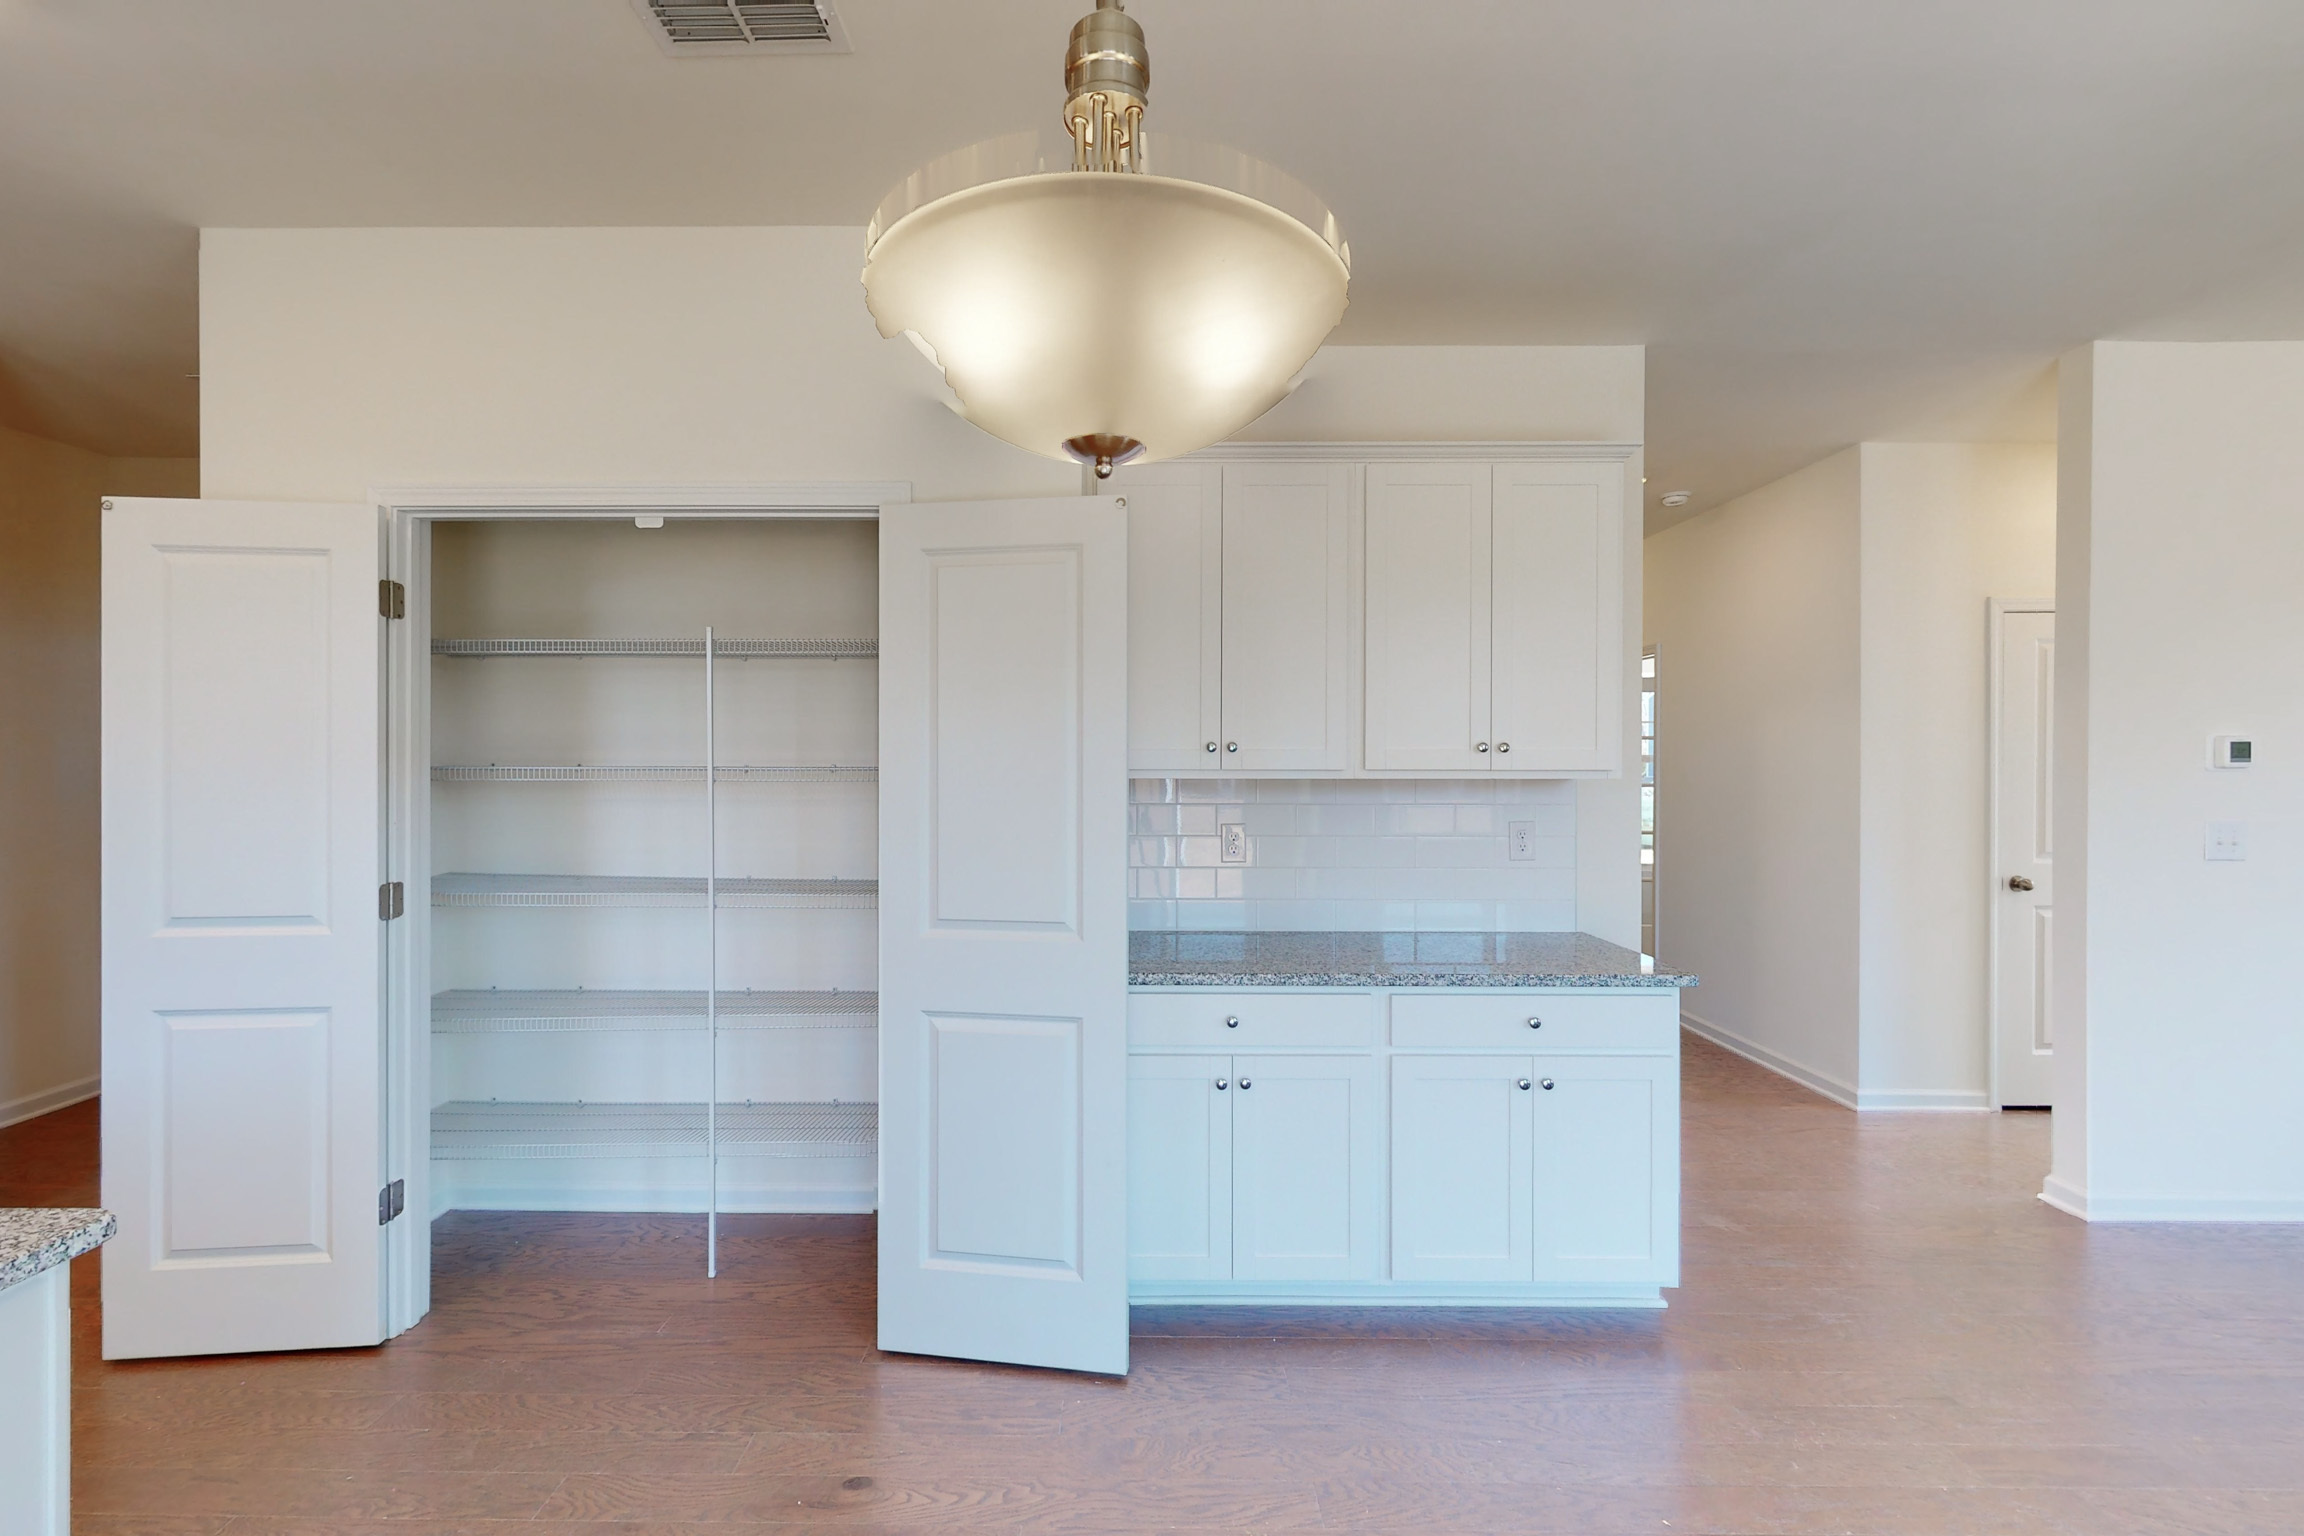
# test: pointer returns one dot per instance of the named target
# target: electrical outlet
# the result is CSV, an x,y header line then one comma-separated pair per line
x,y
1235,840
2227,840
1521,836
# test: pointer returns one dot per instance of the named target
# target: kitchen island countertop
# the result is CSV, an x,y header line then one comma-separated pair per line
x,y
36,1239
1158,958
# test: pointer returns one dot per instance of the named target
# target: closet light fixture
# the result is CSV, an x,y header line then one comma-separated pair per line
x,y
1111,293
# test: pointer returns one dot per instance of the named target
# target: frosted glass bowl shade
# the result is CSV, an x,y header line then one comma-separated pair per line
x,y
1069,304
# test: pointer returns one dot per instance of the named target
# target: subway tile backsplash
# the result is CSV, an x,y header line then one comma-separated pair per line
x,y
1401,855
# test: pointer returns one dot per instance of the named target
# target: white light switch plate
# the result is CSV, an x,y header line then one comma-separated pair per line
x,y
1521,839
2227,840
1235,842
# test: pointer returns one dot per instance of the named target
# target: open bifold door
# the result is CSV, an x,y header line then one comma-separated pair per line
x,y
1003,932
242,927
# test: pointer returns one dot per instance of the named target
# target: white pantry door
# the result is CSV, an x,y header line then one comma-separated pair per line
x,y
1003,932
241,935
2023,870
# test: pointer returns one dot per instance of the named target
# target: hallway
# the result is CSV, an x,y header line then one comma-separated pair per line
x,y
1880,1330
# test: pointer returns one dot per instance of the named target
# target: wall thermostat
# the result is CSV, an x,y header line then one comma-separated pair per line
x,y
2232,752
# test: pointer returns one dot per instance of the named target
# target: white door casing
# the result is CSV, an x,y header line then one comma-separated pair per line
x,y
1557,552
2024,676
1287,621
1428,617
1003,932
1175,618
242,941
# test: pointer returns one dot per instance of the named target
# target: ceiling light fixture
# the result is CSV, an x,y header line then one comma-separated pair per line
x,y
1675,498
1111,294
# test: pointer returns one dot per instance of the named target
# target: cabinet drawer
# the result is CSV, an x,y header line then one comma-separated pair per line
x,y
1641,1022
1266,1019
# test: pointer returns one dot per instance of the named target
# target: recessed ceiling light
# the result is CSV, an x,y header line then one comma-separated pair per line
x,y
1675,498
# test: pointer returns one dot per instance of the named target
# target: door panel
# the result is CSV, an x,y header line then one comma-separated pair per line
x,y
1604,1129
1175,618
1304,1168
1557,572
1428,617
2023,1035
1003,932
1179,1168
242,944
1462,1168
1286,622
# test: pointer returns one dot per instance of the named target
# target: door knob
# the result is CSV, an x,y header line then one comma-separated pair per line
x,y
1546,1085
1221,1085
2019,882
1523,1085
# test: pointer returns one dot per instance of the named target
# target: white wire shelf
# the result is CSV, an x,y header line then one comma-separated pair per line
x,y
494,1011
651,773
489,890
475,1129
727,650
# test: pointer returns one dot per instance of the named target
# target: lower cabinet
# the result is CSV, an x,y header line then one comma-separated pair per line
x,y
1253,1168
1533,1168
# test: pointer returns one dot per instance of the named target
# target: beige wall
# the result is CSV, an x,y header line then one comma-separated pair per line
x,y
1946,527
48,756
2179,1035
1752,608
336,362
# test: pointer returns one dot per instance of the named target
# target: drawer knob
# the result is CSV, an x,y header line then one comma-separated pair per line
x,y
1523,1085
1232,1021
1245,1085
1535,1023
1221,1085
1546,1085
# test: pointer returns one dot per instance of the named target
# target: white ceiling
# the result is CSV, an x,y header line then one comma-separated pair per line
x,y
1829,219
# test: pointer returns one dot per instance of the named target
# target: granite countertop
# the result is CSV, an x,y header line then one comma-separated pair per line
x,y
40,1238
1169,959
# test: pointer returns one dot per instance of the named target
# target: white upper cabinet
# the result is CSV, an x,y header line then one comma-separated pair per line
x,y
1175,618
1428,617
1287,626
1557,593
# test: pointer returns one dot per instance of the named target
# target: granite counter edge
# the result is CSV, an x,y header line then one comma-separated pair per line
x,y
1150,980
30,1257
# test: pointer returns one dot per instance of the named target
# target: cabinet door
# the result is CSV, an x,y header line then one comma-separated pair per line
x,y
1557,588
1607,1169
1175,618
1428,620
1462,1168
1179,1167
1286,624
1304,1168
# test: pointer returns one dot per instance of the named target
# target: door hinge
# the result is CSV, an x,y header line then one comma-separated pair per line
x,y
391,1200
392,599
391,900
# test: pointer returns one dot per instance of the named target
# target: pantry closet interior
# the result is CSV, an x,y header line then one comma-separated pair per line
x,y
649,946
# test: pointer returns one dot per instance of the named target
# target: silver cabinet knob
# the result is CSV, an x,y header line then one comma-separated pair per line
x,y
1231,746
1535,1023
1481,747
1503,746
2019,882
1221,1085
1545,1084
1211,746
1245,1085
1231,1021
1523,1085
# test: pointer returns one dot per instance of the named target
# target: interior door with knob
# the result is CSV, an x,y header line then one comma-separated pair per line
x,y
242,927
2024,885
1004,932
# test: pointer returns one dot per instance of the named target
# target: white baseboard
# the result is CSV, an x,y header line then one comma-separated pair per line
x,y
2230,1208
33,1105
1843,1094
1971,1100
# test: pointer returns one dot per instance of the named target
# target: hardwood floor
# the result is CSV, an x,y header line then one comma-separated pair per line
x,y
1880,1330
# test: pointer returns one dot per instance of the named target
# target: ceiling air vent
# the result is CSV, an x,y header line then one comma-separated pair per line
x,y
693,28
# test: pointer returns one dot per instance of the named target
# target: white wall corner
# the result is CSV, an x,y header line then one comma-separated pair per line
x,y
1833,1088
32,1106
